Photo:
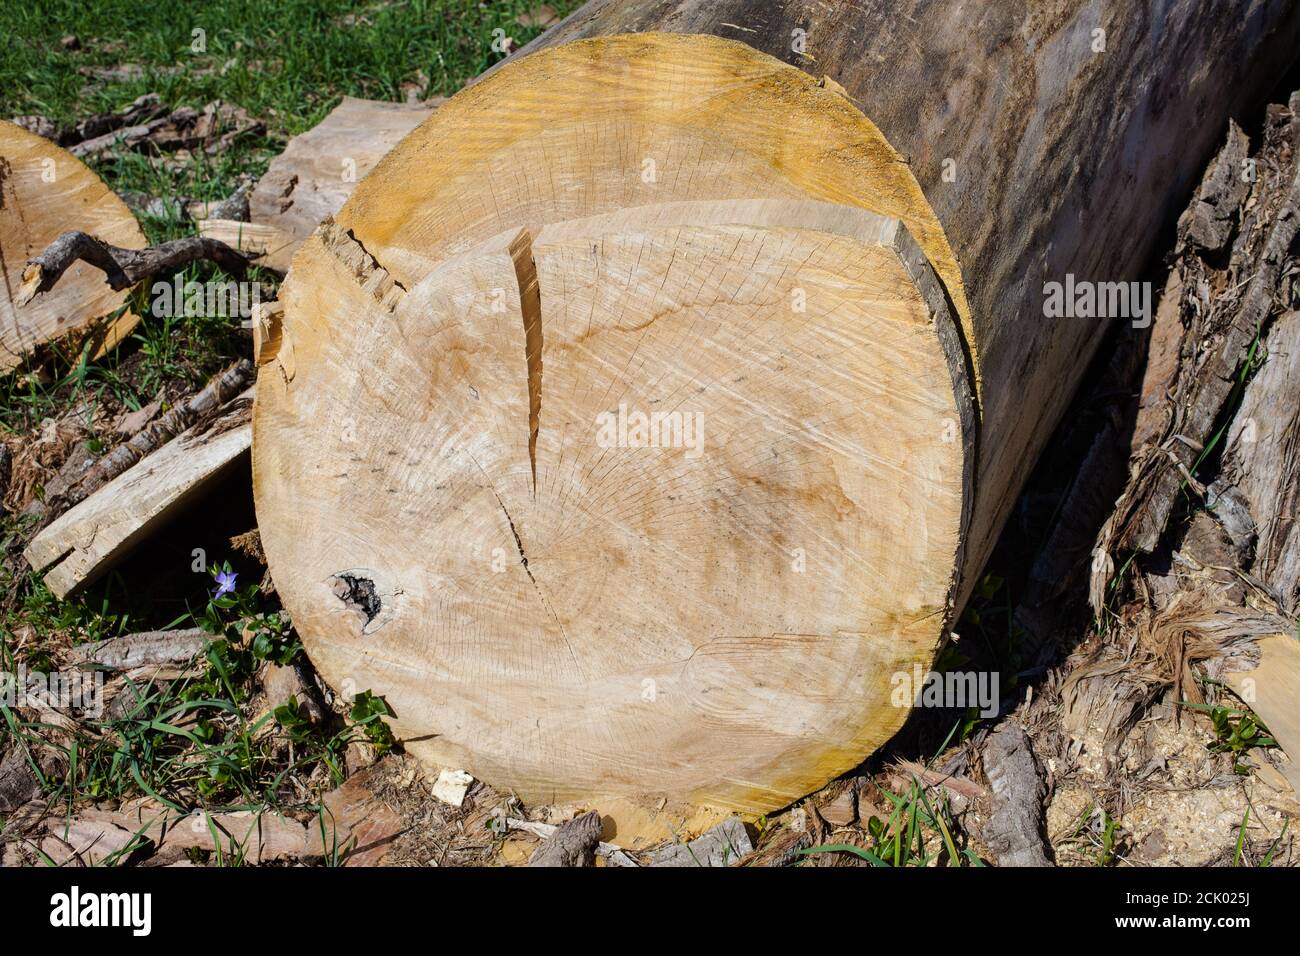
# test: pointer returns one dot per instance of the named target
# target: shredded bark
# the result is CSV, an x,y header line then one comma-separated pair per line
x,y
1224,309
1014,832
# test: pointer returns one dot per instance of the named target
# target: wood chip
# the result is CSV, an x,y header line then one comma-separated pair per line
x,y
359,826
451,786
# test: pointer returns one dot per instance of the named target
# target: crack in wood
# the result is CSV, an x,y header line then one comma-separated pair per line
x,y
519,544
365,268
530,304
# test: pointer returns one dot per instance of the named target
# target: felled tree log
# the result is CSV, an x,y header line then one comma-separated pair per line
x,y
45,191
811,241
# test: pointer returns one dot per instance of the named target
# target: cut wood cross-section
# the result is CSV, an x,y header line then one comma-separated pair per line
x,y
644,414
650,584
46,191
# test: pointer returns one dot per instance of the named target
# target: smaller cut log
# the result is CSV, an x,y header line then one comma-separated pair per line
x,y
45,191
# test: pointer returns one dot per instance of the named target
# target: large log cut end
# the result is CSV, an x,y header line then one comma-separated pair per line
x,y
45,191
620,431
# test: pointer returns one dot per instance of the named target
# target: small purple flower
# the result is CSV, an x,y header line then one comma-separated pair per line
x,y
225,582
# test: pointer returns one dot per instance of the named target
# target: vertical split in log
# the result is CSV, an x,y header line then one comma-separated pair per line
x,y
530,304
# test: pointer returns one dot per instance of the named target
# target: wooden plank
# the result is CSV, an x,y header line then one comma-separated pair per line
x,y
86,541
318,170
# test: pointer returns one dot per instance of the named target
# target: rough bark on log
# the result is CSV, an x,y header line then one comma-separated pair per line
x,y
1226,310
572,844
1227,328
837,261
1207,545
1262,462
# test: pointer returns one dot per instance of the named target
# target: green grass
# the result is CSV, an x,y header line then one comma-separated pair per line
x,y
194,743
916,822
1098,836
287,61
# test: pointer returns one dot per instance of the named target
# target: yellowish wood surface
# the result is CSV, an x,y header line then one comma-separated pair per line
x,y
44,191
624,121
1272,690
574,614
272,247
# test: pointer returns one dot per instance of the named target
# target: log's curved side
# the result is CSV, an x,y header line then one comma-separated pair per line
x,y
1052,138
45,191
620,477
